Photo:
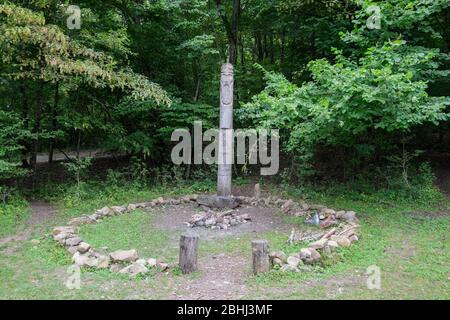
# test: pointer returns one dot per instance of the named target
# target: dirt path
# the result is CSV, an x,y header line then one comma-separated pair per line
x,y
41,212
222,277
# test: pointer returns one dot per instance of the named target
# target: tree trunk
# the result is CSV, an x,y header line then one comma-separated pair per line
x,y
260,254
188,253
37,124
53,125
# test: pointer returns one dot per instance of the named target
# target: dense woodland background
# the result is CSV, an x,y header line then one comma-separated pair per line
x,y
352,104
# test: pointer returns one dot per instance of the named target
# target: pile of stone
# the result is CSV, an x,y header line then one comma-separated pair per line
x,y
218,220
343,236
121,261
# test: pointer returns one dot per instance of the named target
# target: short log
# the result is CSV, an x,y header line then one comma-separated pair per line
x,y
260,254
188,253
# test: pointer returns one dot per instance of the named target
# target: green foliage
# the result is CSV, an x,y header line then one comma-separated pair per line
x,y
351,104
12,133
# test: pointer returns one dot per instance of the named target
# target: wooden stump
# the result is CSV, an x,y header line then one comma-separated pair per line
x,y
260,254
188,253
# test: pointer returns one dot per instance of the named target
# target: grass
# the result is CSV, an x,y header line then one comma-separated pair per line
x,y
12,216
412,251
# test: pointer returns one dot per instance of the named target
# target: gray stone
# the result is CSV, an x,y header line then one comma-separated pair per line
x,y
210,222
115,267
64,229
83,247
277,262
278,255
350,216
103,262
293,261
319,244
72,241
118,209
289,268
287,206
333,245
353,238
131,207
152,262
134,269
84,260
343,241
218,202
79,221
35,242
315,255
60,237
105,211
304,254
72,250
124,255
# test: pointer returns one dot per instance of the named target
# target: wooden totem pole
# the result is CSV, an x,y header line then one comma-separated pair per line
x,y
225,131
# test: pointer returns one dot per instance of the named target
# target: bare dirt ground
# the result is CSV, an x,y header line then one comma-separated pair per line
x,y
222,275
174,218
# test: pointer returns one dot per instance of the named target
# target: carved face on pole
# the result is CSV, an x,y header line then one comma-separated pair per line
x,y
226,87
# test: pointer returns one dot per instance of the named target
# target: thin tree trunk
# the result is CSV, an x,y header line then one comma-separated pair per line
x,y
37,124
53,125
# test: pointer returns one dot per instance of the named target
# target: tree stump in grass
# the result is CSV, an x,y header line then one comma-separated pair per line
x,y
188,253
260,254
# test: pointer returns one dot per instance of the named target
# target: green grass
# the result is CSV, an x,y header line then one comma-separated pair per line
x,y
13,215
412,251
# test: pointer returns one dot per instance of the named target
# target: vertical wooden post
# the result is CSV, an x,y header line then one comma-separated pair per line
x,y
260,255
226,131
188,253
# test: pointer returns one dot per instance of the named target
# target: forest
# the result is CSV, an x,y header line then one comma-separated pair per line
x,y
91,92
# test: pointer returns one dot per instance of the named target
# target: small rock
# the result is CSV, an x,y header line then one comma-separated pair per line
x,y
134,269
83,247
124,255
65,229
105,211
277,262
353,238
118,209
315,255
287,206
72,250
60,237
343,241
131,207
293,261
84,260
289,268
72,241
141,261
319,244
79,221
162,266
35,242
103,262
116,267
160,200
333,245
340,214
278,255
151,262
210,222
304,254
350,216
